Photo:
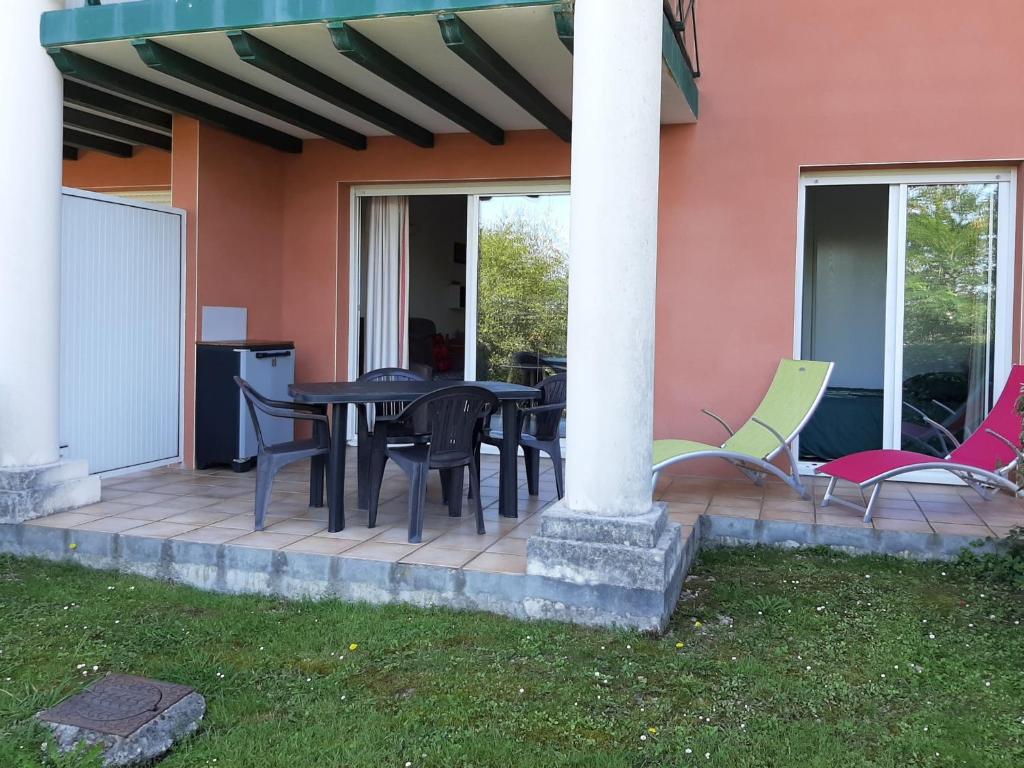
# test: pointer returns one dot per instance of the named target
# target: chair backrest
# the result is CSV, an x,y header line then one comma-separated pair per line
x,y
527,369
546,425
455,416
787,406
389,374
254,400
981,449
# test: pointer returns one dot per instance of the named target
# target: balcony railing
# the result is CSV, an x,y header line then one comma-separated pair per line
x,y
682,15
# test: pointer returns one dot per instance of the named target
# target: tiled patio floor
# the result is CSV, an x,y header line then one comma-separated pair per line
x,y
908,507
216,506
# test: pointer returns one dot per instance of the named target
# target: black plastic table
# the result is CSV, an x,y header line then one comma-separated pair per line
x,y
340,394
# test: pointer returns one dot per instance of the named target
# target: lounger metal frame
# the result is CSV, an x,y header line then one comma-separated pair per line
x,y
982,481
755,468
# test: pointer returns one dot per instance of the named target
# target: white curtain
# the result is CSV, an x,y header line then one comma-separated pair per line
x,y
387,275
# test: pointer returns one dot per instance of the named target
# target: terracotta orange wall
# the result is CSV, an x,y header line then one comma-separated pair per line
x,y
231,192
316,231
148,168
819,84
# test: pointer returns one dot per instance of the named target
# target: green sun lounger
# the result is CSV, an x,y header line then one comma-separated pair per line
x,y
788,405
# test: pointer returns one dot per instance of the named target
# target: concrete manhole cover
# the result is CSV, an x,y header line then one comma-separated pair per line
x,y
118,704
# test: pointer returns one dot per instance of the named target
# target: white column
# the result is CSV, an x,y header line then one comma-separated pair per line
x,y
30,133
613,254
33,480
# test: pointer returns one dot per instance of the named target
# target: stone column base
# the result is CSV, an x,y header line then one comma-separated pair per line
x,y
637,560
29,492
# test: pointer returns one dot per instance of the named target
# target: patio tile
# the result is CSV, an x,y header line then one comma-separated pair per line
x,y
495,563
897,513
105,508
686,507
245,521
160,530
896,524
203,516
729,511
399,534
959,529
433,555
152,512
354,532
791,514
304,527
109,524
852,520
143,498
320,546
524,530
508,546
964,516
209,535
61,520
374,550
475,542
266,540
185,503
735,502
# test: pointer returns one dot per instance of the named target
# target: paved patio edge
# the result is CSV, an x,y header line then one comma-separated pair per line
x,y
236,569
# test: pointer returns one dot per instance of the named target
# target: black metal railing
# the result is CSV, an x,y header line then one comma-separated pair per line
x,y
682,15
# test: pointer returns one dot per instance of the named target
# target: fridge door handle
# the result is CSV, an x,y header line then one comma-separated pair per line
x,y
282,353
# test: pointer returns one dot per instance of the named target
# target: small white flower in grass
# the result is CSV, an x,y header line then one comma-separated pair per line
x,y
931,636
521,690
707,755
408,764
883,674
867,575
629,647
643,737
988,684
688,751
808,668
95,667
926,727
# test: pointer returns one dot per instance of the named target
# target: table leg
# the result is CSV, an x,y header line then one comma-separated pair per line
x,y
508,481
336,486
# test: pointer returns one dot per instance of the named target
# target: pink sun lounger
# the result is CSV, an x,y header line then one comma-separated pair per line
x,y
983,460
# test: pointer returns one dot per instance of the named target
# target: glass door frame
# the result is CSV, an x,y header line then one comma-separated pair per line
x,y
473,191
898,182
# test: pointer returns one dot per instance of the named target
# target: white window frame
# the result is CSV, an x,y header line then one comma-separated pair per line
x,y
898,181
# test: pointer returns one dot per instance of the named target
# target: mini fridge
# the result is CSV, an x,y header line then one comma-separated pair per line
x,y
224,431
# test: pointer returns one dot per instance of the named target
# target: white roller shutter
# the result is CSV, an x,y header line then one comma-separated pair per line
x,y
121,331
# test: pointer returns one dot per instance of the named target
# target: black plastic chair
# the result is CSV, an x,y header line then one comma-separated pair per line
x,y
271,458
455,416
526,369
383,417
540,430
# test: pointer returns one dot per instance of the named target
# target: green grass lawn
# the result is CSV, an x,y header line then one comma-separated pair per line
x,y
828,661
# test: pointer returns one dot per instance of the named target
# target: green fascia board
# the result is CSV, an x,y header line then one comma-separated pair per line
x,y
188,70
157,18
564,26
82,68
115,129
70,153
677,66
264,56
80,95
357,47
83,140
474,50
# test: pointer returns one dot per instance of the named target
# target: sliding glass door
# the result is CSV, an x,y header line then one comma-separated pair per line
x,y
519,308
907,286
945,312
